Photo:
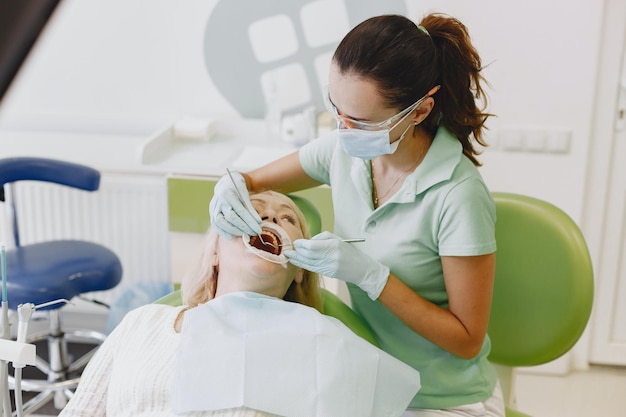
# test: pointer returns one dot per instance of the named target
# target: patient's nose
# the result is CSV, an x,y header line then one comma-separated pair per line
x,y
269,216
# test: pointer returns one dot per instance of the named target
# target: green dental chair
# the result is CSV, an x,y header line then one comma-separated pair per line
x,y
543,290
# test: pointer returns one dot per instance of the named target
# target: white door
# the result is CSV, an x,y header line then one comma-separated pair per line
x,y
608,344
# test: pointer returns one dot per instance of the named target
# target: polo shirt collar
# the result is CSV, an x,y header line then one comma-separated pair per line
x,y
441,160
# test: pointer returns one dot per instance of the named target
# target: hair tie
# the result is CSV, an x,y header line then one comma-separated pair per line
x,y
423,29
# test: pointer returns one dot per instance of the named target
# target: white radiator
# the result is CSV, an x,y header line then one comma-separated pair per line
x,y
128,214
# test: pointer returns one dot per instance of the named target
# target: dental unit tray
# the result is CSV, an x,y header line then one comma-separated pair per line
x,y
17,352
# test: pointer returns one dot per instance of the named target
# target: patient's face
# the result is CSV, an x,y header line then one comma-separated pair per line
x,y
261,267
277,209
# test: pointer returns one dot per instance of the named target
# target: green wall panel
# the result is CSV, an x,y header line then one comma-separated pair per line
x,y
188,204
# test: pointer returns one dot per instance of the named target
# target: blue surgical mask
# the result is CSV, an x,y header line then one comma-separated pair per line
x,y
368,144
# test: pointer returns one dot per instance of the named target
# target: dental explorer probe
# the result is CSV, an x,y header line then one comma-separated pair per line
x,y
353,240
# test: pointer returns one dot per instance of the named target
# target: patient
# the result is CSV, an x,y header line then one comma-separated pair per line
x,y
206,358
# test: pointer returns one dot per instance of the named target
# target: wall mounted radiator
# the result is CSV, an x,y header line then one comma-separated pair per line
x,y
128,214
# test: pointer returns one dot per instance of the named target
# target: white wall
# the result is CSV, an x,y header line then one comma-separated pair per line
x,y
115,66
131,66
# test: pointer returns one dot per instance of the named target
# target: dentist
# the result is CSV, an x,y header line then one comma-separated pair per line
x,y
403,171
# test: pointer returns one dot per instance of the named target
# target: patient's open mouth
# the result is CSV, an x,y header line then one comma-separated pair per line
x,y
268,242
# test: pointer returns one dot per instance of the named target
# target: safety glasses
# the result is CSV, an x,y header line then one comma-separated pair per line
x,y
356,124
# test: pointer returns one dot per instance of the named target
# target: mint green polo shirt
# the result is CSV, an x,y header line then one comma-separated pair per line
x,y
443,208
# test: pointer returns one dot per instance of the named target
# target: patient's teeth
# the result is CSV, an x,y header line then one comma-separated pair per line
x,y
269,245
267,242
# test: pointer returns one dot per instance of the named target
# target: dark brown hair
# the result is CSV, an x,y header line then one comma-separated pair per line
x,y
406,62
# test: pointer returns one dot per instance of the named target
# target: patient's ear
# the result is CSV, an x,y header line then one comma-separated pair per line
x,y
299,276
214,258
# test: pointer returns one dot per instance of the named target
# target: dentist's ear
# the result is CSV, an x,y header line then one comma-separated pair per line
x,y
423,110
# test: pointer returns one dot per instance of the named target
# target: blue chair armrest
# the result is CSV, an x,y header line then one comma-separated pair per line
x,y
49,170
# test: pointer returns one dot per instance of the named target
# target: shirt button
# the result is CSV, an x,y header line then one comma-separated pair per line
x,y
371,225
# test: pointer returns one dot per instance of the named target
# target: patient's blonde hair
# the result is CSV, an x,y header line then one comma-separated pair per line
x,y
200,285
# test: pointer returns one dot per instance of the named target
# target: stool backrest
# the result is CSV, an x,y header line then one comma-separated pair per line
x,y
41,169
543,289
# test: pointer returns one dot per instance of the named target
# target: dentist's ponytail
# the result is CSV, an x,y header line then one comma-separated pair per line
x,y
461,81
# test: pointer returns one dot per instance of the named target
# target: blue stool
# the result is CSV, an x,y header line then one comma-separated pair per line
x,y
62,269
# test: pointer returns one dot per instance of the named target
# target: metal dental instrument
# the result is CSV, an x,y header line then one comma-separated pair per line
x,y
235,185
244,203
354,240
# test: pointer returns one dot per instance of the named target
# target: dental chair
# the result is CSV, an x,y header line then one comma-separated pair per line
x,y
332,305
40,273
543,291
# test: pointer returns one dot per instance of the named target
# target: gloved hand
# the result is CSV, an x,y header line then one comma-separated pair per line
x,y
229,215
328,255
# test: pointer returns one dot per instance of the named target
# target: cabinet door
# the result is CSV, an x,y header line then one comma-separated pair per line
x,y
609,327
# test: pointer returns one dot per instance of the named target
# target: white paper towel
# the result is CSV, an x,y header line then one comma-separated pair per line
x,y
193,128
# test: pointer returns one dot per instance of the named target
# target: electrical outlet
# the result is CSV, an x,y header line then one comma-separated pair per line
x,y
534,140
559,141
511,140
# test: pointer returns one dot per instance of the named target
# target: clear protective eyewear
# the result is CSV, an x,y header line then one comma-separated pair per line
x,y
357,124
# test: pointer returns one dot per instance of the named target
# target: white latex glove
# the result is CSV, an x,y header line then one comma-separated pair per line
x,y
328,255
229,214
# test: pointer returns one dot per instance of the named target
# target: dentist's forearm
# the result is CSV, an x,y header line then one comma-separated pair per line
x,y
284,175
461,328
